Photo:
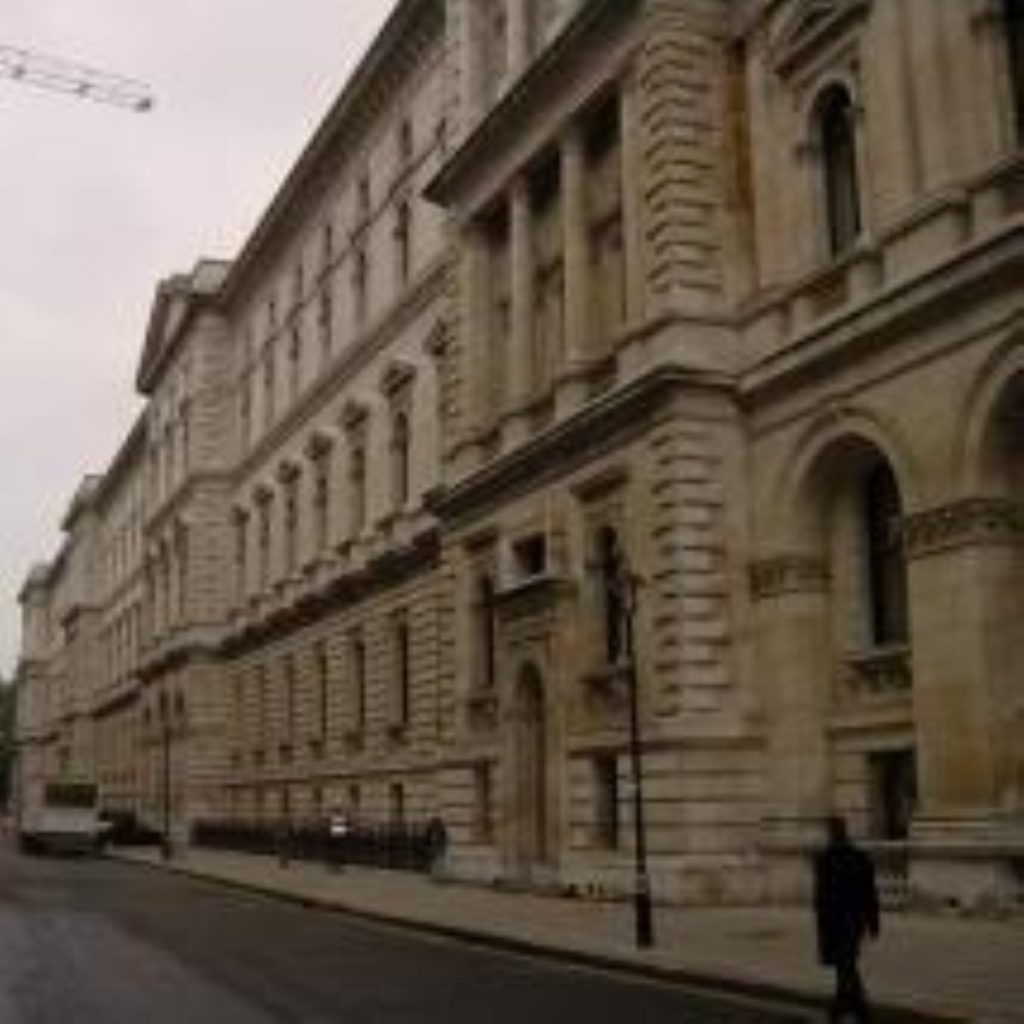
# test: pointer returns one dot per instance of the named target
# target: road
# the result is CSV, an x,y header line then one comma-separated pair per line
x,y
99,942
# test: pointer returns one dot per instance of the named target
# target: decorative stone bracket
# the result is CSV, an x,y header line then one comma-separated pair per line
x,y
963,523
788,574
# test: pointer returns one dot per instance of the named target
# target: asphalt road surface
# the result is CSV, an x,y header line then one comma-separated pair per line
x,y
99,942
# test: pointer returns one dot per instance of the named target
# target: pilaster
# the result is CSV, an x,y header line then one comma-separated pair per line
x,y
520,356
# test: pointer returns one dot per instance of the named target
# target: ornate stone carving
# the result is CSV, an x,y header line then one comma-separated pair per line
x,y
879,673
971,521
788,574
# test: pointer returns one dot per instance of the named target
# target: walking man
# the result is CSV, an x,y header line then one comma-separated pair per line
x,y
846,906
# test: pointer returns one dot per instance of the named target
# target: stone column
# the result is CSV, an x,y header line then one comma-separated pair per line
x,y
519,370
469,67
571,386
518,36
474,338
795,665
965,572
632,200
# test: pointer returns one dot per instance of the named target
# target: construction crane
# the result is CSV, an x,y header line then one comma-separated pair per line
x,y
73,79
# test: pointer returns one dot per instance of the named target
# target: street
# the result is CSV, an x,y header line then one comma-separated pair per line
x,y
85,941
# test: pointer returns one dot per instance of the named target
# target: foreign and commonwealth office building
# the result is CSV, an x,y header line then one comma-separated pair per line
x,y
727,291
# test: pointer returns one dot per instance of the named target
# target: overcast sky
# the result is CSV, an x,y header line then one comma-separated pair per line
x,y
96,204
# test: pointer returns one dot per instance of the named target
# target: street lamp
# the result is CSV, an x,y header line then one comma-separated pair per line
x,y
622,587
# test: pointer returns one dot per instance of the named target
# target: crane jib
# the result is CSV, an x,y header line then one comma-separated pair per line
x,y
73,79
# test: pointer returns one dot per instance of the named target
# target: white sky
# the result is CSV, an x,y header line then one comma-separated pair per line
x,y
96,204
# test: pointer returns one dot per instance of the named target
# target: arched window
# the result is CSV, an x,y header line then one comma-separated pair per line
x,y
886,565
836,137
1013,14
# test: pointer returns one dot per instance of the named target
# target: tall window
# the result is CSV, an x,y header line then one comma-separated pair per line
x,y
484,632
886,566
291,523
245,412
322,670
264,540
321,499
241,551
290,709
325,316
185,415
327,245
403,241
405,142
183,573
606,801
400,465
610,568
360,284
294,362
1013,12
357,668
403,671
838,147
262,709
269,386
357,487
397,803
483,786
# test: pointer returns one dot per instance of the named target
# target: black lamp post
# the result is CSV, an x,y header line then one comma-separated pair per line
x,y
622,593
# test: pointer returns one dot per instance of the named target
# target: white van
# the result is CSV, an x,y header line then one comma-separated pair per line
x,y
60,817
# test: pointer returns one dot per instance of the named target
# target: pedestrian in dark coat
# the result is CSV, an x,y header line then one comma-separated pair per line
x,y
846,907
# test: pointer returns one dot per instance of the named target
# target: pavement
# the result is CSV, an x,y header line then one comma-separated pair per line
x,y
923,967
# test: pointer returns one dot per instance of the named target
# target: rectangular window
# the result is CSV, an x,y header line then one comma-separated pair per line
x,y
531,555
397,804
403,671
606,801
892,795
357,673
291,524
322,670
321,500
289,683
483,785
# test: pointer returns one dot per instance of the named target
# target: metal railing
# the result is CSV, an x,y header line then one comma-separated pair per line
x,y
401,846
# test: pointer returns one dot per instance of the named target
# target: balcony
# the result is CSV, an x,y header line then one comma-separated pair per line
x,y
912,247
879,673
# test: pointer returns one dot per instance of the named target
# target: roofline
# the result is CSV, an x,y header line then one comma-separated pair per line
x,y
343,112
154,355
133,444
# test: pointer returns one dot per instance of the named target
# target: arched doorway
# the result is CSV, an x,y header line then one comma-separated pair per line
x,y
530,771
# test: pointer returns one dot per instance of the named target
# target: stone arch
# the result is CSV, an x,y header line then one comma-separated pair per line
x,y
836,625
817,451
997,389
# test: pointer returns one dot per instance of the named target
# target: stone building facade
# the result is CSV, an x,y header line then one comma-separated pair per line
x,y
710,308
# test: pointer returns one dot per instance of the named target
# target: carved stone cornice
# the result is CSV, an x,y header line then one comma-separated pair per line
x,y
788,574
963,523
